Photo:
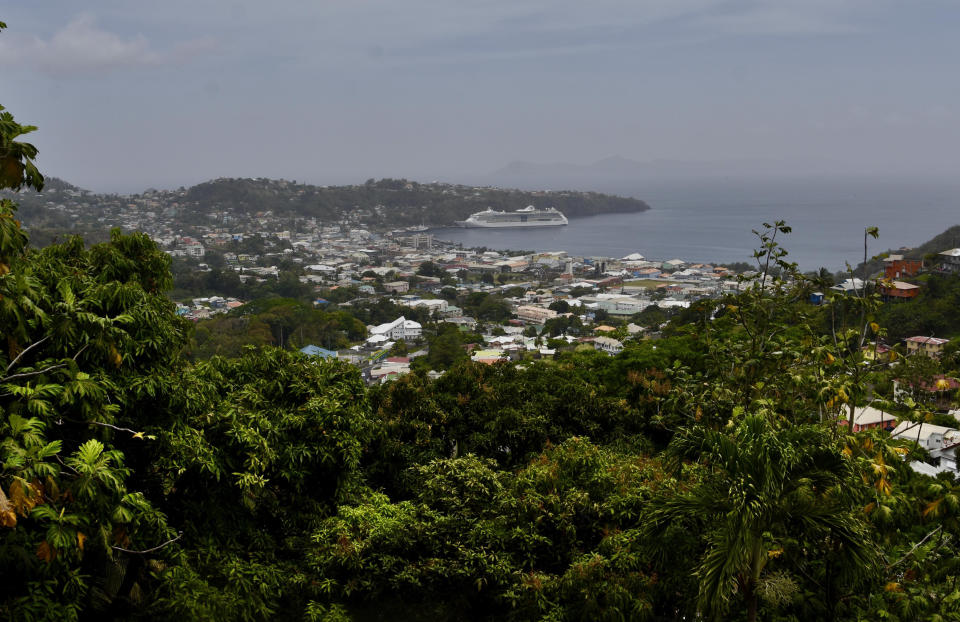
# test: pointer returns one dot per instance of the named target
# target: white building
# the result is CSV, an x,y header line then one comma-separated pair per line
x,y
400,328
195,250
849,285
941,442
433,304
608,344
397,287
531,313
950,259
929,436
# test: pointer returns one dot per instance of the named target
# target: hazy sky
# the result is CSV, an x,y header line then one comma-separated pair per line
x,y
130,94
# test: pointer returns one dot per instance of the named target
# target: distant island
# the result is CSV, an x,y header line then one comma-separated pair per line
x,y
383,204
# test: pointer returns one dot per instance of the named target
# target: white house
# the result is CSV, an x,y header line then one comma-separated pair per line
x,y
531,313
950,259
929,436
400,328
849,285
195,250
940,441
433,304
608,344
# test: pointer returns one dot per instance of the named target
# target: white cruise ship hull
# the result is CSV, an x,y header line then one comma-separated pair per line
x,y
473,224
526,217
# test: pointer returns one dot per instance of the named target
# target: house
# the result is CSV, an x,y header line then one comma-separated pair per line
x,y
849,285
317,351
194,250
438,305
489,357
648,273
397,287
609,281
869,418
388,371
928,346
535,315
938,391
875,351
929,436
941,442
608,344
463,322
950,260
896,267
898,290
400,328
620,305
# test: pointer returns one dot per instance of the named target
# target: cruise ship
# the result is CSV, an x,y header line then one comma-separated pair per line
x,y
529,216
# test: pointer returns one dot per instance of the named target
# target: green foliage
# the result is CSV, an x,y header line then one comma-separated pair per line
x,y
476,543
446,348
275,321
651,317
563,325
931,313
770,495
87,330
16,157
486,410
486,307
262,448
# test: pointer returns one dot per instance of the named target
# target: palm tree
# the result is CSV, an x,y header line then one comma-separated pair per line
x,y
764,486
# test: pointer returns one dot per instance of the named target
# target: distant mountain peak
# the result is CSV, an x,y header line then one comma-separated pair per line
x,y
617,160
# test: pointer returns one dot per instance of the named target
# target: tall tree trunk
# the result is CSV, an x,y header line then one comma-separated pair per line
x,y
751,597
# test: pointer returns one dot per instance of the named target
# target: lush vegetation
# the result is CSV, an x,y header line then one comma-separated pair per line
x,y
932,313
700,476
282,322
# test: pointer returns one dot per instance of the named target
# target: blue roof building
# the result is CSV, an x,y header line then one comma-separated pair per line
x,y
318,351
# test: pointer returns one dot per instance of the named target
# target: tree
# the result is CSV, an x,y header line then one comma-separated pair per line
x,y
550,540
601,315
770,499
446,348
88,335
399,348
16,158
427,268
259,449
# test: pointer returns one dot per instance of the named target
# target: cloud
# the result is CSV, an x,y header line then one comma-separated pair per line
x,y
83,47
442,32
784,17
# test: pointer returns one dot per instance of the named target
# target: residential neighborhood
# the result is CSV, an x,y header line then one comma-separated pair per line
x,y
501,305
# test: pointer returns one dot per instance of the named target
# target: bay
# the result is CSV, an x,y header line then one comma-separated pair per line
x,y
711,221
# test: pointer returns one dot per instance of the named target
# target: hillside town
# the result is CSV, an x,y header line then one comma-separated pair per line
x,y
413,265
550,300
421,272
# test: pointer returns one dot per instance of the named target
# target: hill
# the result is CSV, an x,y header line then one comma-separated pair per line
x,y
377,204
928,250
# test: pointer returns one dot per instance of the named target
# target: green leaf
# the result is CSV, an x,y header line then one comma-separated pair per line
x,y
50,449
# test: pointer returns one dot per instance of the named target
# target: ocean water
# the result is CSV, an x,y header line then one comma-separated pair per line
x,y
711,221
